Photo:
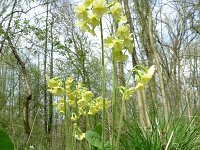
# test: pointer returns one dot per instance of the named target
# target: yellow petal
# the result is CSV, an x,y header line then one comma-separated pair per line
x,y
88,95
69,81
81,12
99,8
117,10
82,103
151,70
53,83
74,117
92,110
58,91
93,20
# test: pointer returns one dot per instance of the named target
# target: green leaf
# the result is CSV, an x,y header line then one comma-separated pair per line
x,y
98,129
94,139
5,141
108,146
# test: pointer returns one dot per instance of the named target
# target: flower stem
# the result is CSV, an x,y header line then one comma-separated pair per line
x,y
122,112
103,85
66,120
113,101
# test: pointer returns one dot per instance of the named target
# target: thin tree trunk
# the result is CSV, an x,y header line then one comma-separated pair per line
x,y
51,76
45,72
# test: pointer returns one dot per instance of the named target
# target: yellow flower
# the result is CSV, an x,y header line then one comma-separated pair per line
x,y
107,104
74,117
128,42
61,101
84,26
99,100
130,48
53,83
99,8
69,81
151,70
82,103
76,93
129,93
81,12
123,19
67,89
71,103
119,56
114,43
109,41
77,133
118,44
58,91
71,96
81,111
93,20
117,10
61,108
80,136
88,95
88,3
146,77
123,31
93,110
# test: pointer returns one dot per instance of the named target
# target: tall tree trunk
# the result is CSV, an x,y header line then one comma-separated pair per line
x,y
45,71
141,95
51,76
159,69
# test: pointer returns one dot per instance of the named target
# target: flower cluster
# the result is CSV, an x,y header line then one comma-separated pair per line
x,y
121,42
55,88
89,14
83,99
80,99
142,76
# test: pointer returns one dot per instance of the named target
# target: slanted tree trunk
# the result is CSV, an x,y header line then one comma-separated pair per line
x,y
28,88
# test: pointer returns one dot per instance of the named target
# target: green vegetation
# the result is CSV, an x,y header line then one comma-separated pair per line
x,y
99,75
5,141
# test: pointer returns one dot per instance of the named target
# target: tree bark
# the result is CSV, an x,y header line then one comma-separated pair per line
x,y
45,72
159,70
51,76
141,95
28,88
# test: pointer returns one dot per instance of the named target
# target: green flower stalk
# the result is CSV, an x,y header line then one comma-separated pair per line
x,y
103,86
126,94
114,99
90,17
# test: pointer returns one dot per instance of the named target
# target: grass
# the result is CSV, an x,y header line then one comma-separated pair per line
x,y
180,134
